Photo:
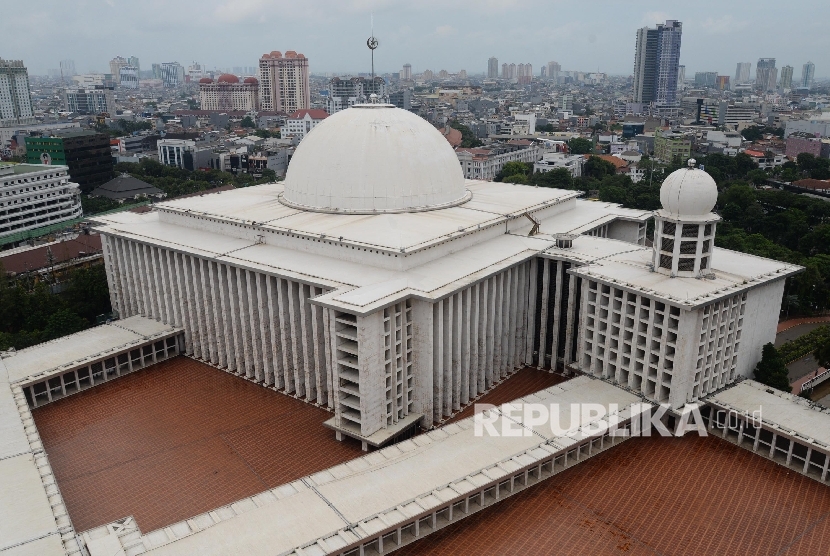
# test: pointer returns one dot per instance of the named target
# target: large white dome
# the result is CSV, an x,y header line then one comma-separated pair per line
x,y
374,158
689,192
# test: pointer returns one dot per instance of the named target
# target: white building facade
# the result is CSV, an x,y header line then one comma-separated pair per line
x,y
36,195
301,122
171,151
395,292
15,97
228,93
485,164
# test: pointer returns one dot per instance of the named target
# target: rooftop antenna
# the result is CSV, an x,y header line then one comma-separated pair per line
x,y
372,43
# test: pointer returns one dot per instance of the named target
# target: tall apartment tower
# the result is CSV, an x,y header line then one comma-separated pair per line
x,y
553,70
681,77
283,82
787,77
15,96
493,67
808,71
171,74
68,69
766,74
657,64
406,74
645,65
115,67
133,62
504,71
742,72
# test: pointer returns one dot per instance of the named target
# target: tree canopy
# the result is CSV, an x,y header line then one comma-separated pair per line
x,y
468,138
580,145
247,122
771,369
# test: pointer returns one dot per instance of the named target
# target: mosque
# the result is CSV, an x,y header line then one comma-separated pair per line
x,y
378,282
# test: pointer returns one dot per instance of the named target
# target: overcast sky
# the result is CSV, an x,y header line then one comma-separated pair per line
x,y
430,34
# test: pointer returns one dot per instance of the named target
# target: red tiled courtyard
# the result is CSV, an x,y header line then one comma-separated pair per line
x,y
652,496
178,439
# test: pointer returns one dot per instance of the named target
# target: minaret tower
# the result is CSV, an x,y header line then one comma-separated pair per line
x,y
684,230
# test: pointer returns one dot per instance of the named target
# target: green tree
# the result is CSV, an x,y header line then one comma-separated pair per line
x,y
597,168
771,369
468,138
514,168
580,145
247,122
789,175
558,178
758,177
822,353
805,161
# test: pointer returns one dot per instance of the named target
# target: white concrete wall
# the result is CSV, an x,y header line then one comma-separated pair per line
x,y
763,306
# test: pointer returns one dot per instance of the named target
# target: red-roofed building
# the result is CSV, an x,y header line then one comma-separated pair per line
x,y
452,135
763,161
301,122
54,258
815,185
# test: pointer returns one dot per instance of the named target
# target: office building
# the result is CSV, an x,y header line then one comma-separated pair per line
x,y
671,145
171,74
656,65
128,77
706,79
15,95
493,68
553,70
183,153
722,83
36,195
401,99
681,77
87,153
808,72
90,101
283,82
766,75
67,69
115,67
228,93
406,73
195,71
346,92
742,72
787,77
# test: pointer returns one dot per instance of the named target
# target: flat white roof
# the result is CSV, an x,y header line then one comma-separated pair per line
x,y
778,408
88,344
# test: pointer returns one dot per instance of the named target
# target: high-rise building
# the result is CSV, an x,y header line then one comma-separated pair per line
x,y
462,74
504,71
511,71
656,64
195,71
344,93
228,93
681,76
808,71
15,96
283,82
493,67
115,67
406,74
156,71
171,74
67,69
645,65
706,79
128,77
722,83
90,101
742,72
766,74
133,61
787,77
553,70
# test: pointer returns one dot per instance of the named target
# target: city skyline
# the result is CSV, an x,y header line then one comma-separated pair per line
x,y
332,36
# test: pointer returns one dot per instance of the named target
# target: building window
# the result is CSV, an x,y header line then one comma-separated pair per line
x,y
688,247
704,263
686,265
690,230
669,228
665,261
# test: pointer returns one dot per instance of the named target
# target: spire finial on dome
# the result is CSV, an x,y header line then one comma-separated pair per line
x,y
692,162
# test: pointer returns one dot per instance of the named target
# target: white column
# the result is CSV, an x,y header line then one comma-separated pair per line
x,y
218,318
438,359
285,335
296,337
530,316
543,321
422,360
309,379
223,280
466,370
275,330
264,318
252,310
554,349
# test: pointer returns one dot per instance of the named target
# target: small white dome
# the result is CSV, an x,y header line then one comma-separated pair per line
x,y
374,158
689,191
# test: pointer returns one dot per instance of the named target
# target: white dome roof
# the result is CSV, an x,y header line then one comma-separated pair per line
x,y
374,158
689,192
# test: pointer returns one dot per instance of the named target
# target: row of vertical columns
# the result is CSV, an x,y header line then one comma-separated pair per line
x,y
258,326
478,336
